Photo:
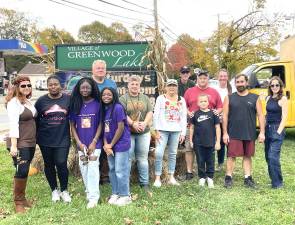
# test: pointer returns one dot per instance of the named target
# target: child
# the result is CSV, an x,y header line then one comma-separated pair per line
x,y
204,139
86,127
117,142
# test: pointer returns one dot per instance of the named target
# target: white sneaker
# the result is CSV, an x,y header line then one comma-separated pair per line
x,y
91,204
172,181
125,200
157,183
210,183
55,195
65,196
202,182
113,198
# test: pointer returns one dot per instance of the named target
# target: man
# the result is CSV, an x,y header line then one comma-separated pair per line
x,y
184,82
191,98
99,75
239,129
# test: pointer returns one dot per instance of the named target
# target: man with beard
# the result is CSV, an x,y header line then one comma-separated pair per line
x,y
239,129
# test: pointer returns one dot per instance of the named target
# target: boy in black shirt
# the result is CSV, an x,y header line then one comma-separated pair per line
x,y
205,139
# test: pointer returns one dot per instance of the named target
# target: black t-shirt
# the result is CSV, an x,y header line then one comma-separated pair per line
x,y
183,87
52,122
242,116
204,128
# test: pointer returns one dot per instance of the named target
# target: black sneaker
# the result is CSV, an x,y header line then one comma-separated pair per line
x,y
228,182
249,182
189,176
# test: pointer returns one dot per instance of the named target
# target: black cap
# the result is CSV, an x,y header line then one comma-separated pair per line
x,y
203,72
185,69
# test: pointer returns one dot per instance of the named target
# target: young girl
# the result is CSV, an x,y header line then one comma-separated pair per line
x,y
86,127
117,142
205,139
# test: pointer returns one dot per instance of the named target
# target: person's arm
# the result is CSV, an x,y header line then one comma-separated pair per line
x,y
92,145
183,121
108,151
261,120
284,105
191,134
225,120
218,136
190,114
76,137
156,117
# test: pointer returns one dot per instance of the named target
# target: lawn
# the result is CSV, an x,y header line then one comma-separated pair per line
x,y
187,204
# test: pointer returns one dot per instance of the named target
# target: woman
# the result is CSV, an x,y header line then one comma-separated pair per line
x,y
170,120
86,126
139,116
276,117
22,137
224,89
53,137
117,143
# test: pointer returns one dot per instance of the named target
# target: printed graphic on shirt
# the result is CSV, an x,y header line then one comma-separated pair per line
x,y
172,111
107,126
86,122
55,108
202,118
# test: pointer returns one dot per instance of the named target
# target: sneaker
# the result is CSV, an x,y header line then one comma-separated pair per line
x,y
145,187
172,181
157,183
91,204
65,196
210,182
249,182
55,195
112,199
122,201
228,182
219,167
189,176
202,182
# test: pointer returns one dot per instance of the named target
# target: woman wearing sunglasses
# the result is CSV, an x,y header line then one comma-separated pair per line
x,y
21,140
276,117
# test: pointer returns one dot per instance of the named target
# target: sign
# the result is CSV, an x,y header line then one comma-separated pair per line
x,y
19,47
118,56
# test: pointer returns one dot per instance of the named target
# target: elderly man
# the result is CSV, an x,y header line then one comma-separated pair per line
x,y
99,75
184,82
191,97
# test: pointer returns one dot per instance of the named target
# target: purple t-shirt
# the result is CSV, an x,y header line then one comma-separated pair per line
x,y
111,125
87,122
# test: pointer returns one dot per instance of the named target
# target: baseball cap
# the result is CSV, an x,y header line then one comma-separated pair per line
x,y
171,82
185,69
203,72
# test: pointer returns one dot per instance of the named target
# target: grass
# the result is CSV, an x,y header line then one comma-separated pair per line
x,y
187,204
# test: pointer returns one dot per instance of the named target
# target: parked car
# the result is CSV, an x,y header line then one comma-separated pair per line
x,y
71,84
41,84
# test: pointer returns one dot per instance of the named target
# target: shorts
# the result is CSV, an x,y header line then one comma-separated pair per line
x,y
187,143
238,148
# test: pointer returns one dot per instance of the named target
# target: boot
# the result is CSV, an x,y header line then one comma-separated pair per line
x,y
26,203
18,189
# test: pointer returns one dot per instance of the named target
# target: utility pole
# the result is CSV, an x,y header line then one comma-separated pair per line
x,y
218,40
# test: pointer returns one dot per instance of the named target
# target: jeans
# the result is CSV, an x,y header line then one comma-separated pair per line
x,y
22,161
140,145
273,144
172,138
221,152
55,159
119,172
206,157
90,174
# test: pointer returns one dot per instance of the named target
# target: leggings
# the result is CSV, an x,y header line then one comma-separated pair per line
x,y
22,161
55,161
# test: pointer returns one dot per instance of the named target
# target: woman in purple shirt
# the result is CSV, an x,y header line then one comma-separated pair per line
x,y
85,118
117,142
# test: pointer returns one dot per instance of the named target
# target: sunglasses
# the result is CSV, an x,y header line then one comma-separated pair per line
x,y
185,72
26,85
274,85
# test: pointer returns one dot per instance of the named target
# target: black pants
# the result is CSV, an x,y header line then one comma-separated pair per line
x,y
205,159
55,160
22,161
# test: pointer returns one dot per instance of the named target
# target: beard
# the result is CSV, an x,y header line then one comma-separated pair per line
x,y
241,88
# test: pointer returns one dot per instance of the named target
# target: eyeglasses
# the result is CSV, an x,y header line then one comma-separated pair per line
x,y
274,85
26,85
185,72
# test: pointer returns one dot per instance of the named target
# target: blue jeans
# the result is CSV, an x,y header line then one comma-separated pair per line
x,y
172,138
273,144
140,145
119,173
90,174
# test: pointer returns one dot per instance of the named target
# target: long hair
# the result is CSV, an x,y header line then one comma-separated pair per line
x,y
76,101
228,85
280,93
113,103
14,90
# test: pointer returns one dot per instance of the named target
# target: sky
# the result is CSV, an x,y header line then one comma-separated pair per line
x,y
198,18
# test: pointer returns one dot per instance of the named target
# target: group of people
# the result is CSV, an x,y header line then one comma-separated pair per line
x,y
110,131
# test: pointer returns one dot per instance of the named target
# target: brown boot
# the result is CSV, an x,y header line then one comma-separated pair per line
x,y
19,194
26,203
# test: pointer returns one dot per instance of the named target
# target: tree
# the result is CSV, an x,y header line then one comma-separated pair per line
x,y
178,56
121,33
15,25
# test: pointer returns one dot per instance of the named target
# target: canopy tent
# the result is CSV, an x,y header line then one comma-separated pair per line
x,y
18,47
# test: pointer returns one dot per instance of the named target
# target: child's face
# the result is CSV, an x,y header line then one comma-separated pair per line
x,y
107,96
203,102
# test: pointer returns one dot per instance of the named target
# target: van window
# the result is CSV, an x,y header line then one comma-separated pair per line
x,y
260,79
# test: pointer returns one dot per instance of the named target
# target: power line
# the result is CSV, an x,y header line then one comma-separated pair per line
x,y
131,3
122,7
